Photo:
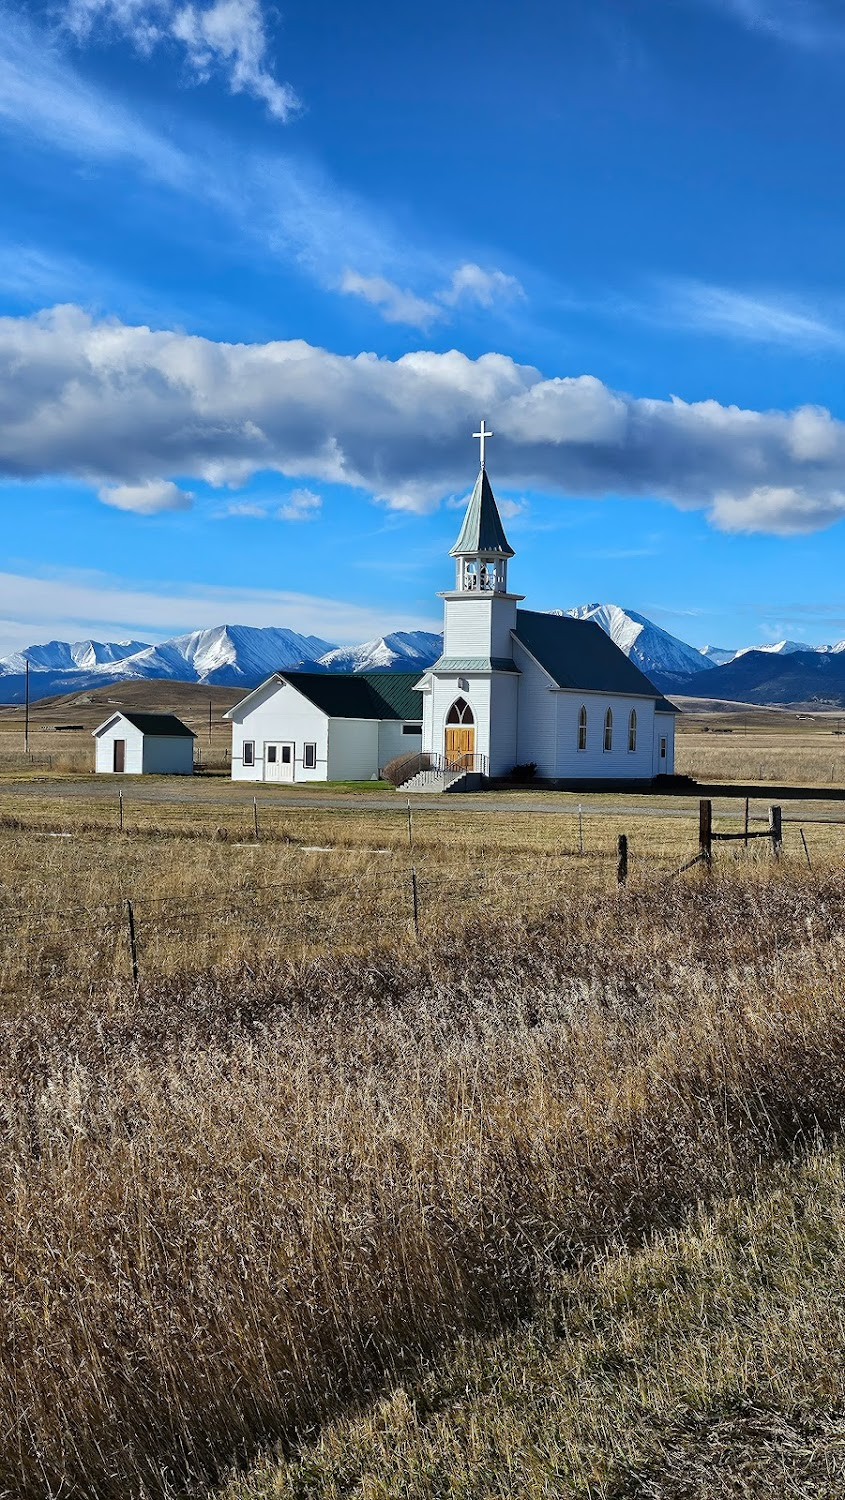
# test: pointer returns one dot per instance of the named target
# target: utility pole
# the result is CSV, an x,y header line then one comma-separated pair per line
x,y
26,711
209,721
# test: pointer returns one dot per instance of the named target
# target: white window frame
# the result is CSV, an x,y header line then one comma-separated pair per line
x,y
248,752
632,732
608,730
582,728
309,764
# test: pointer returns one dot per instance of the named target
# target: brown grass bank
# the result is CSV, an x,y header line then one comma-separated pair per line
x,y
246,1197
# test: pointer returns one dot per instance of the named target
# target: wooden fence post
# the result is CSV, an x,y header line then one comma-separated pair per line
x,y
622,859
133,946
776,830
745,840
705,833
255,816
120,811
580,830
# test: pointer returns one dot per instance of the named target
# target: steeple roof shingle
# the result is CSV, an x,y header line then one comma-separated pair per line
x,y
482,531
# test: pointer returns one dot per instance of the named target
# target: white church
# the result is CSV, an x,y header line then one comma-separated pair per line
x,y
513,686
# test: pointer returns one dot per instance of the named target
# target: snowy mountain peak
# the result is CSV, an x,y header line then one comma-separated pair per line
x,y
402,648
656,652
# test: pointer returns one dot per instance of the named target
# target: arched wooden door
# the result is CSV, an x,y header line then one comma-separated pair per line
x,y
460,734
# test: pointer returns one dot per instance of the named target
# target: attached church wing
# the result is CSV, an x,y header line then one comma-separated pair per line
x,y
359,695
577,654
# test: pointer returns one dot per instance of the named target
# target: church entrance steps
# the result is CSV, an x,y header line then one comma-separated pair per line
x,y
443,781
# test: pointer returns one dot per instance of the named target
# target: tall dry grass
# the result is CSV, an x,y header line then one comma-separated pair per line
x,y
248,1196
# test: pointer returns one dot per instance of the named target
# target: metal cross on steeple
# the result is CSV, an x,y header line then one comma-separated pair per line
x,y
484,434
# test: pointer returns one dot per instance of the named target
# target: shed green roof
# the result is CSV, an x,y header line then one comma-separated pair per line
x,y
166,726
482,531
359,695
577,654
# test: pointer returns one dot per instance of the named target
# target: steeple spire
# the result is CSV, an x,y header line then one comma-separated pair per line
x,y
482,549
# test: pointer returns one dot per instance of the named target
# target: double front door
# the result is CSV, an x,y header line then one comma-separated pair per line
x,y
278,761
460,744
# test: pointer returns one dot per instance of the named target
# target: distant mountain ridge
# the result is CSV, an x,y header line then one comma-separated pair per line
x,y
243,655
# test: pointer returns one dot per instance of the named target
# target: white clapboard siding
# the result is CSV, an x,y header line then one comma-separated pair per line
x,y
278,714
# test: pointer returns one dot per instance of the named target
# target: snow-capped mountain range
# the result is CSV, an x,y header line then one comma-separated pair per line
x,y
226,655
243,655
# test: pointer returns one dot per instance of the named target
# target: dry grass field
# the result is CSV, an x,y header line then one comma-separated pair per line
x,y
310,1154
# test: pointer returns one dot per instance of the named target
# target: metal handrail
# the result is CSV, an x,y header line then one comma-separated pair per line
x,y
433,766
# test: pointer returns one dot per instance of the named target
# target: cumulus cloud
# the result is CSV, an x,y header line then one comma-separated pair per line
x,y
147,498
468,284
471,283
127,407
224,35
395,304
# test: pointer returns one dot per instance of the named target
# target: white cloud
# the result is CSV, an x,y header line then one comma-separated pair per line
x,y
75,606
510,509
759,319
228,35
395,304
42,97
811,24
468,284
301,505
148,498
471,283
121,406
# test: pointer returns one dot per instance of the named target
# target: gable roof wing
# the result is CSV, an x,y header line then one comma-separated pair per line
x,y
166,726
352,695
579,656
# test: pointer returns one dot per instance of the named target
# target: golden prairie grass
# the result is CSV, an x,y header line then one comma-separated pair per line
x,y
790,758
709,1363
205,893
291,1167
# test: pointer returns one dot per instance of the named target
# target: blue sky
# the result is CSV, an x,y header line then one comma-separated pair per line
x,y
264,268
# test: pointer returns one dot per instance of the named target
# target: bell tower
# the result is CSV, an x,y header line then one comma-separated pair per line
x,y
472,691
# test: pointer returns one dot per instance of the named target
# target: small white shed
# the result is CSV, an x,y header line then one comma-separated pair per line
x,y
133,744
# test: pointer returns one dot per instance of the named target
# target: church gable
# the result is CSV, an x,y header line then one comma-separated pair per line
x,y
582,660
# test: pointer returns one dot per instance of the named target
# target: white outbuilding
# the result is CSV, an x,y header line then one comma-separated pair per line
x,y
138,744
325,726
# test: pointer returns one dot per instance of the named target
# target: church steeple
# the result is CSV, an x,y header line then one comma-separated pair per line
x,y
482,549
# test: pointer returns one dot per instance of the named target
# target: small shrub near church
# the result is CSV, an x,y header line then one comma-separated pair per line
x,y
403,767
523,773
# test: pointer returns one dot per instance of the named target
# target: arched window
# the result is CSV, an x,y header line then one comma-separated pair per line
x,y
582,728
460,713
608,730
632,730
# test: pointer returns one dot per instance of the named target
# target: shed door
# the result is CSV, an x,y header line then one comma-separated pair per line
x,y
119,760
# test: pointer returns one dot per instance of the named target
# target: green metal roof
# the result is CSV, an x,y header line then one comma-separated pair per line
x,y
359,695
165,725
578,655
482,531
474,664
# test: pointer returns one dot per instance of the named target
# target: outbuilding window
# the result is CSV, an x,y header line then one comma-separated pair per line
x,y
412,728
662,747
608,730
632,730
249,752
309,756
582,728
